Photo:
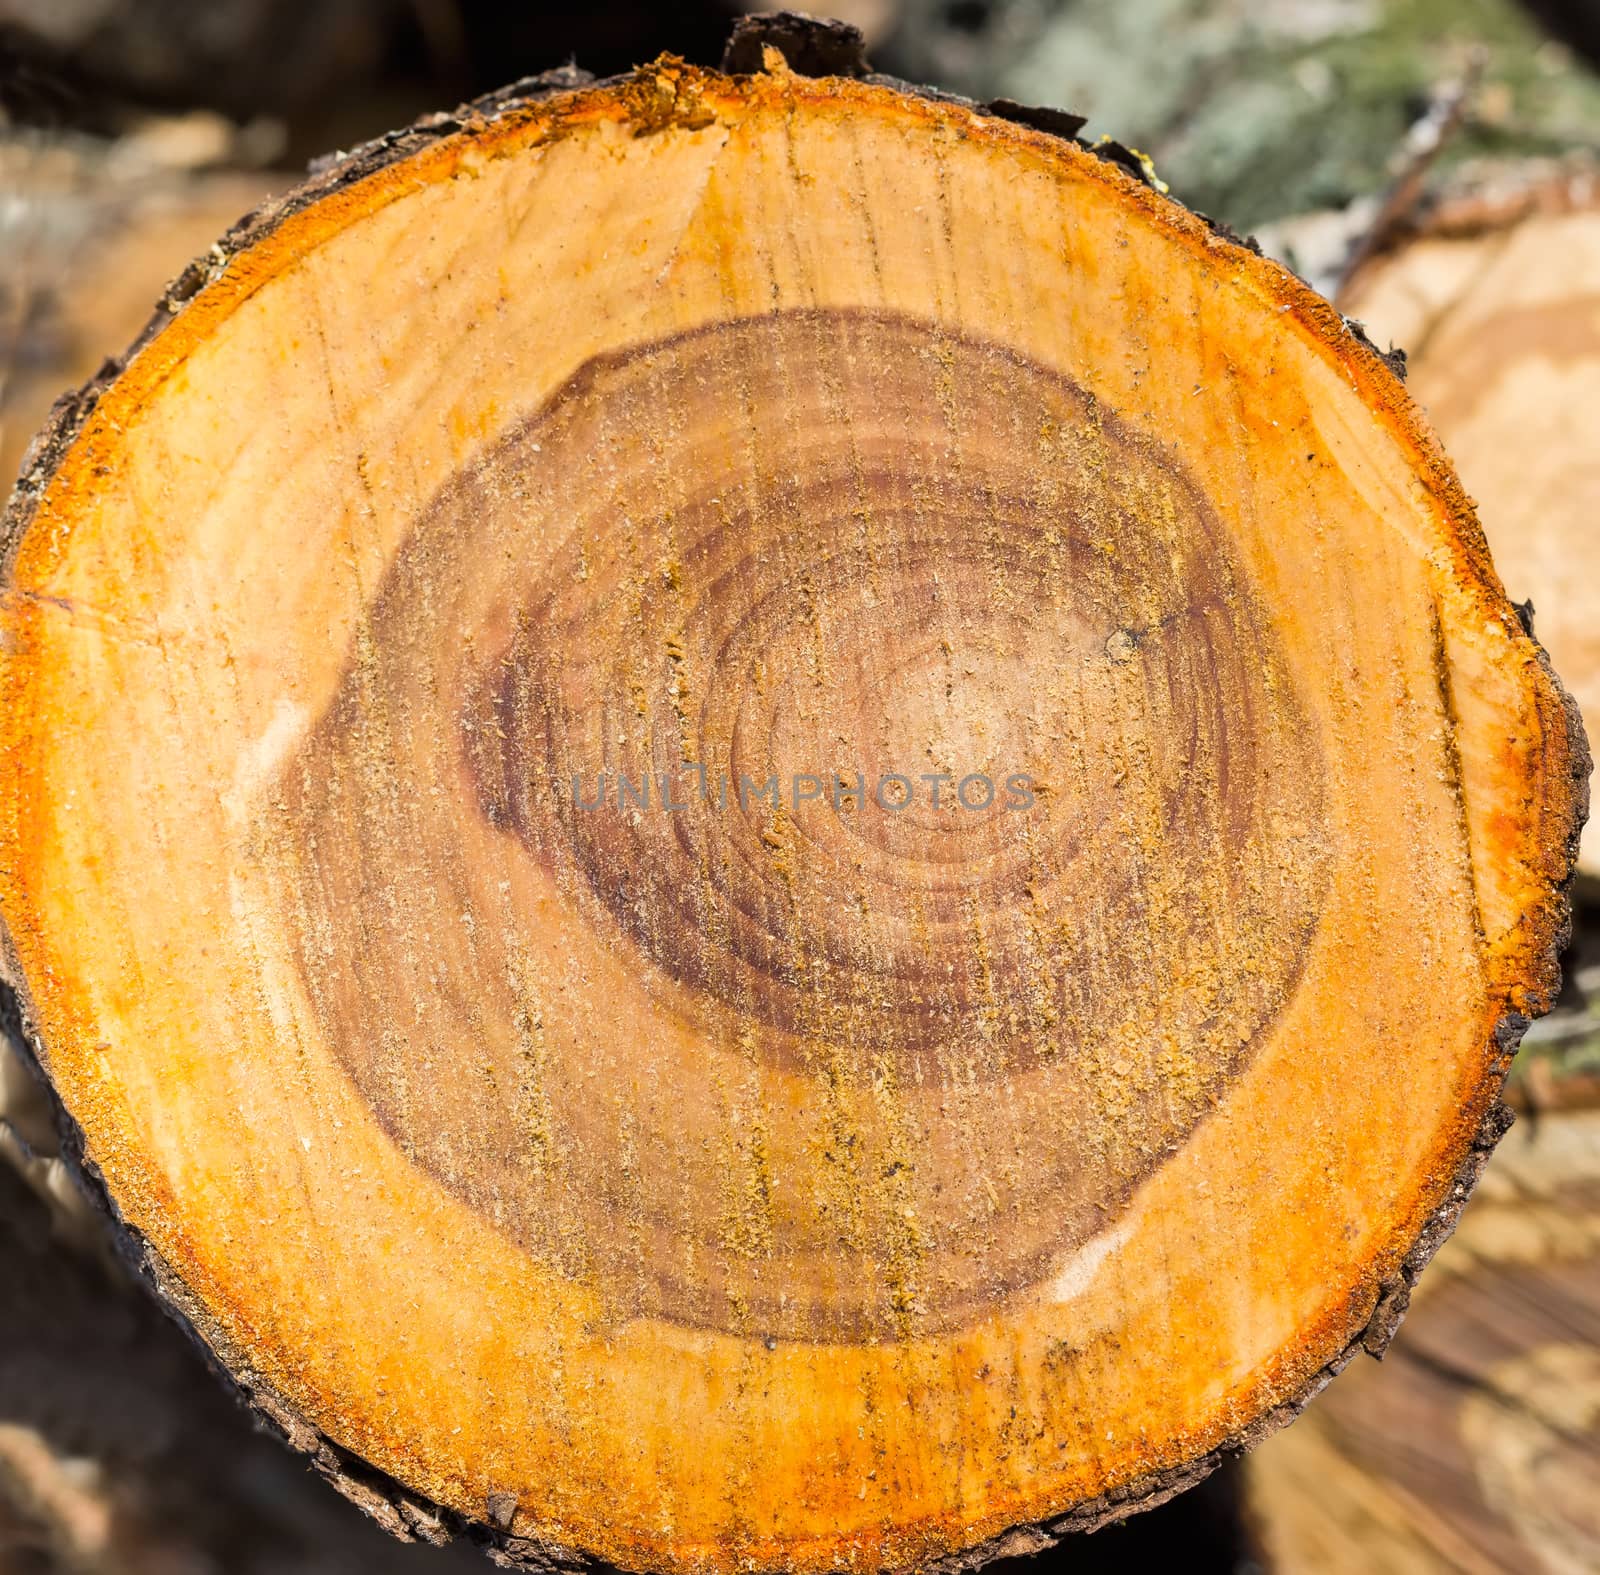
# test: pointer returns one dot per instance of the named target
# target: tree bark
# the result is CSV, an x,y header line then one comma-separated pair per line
x,y
475,685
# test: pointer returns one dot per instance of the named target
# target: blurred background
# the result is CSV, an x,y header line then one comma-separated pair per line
x,y
1432,164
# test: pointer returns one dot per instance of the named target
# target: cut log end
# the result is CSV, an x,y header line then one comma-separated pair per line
x,y
762,823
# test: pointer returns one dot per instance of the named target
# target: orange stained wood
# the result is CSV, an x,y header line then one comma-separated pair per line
x,y
802,1185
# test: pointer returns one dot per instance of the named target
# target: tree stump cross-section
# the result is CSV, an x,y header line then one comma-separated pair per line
x,y
758,822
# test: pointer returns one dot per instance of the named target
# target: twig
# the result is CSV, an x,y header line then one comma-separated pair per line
x,y
1423,144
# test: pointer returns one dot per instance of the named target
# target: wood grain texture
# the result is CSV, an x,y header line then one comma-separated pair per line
x,y
1498,304
821,1178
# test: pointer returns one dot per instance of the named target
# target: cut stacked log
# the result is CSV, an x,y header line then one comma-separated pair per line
x,y
757,822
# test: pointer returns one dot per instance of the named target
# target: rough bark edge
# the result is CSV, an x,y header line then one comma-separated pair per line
x,y
411,1517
